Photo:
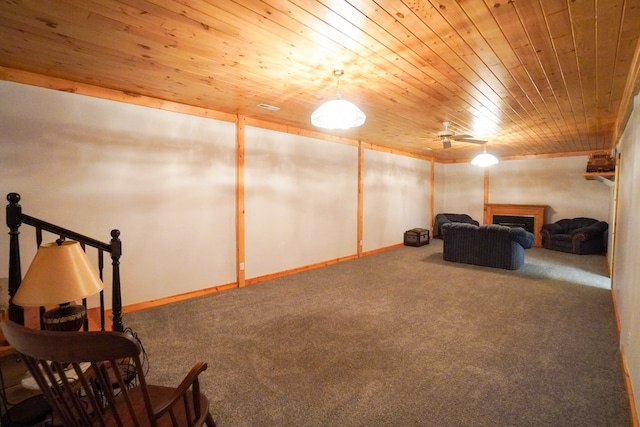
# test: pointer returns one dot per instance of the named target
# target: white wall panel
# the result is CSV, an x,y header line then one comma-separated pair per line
x,y
463,190
557,182
166,180
439,180
396,197
300,201
626,268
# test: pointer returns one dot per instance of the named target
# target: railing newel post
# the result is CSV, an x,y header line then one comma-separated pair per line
x,y
14,221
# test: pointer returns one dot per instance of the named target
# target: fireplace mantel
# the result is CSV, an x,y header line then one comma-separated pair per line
x,y
535,211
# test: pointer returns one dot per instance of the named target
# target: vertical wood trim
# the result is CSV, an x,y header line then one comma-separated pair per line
x,y
432,196
240,249
360,196
486,186
614,216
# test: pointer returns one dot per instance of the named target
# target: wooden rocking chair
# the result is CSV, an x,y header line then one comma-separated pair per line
x,y
79,376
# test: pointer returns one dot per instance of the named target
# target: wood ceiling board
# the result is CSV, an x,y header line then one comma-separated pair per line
x,y
482,48
530,74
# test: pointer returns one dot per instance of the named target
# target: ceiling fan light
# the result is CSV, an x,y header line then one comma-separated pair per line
x,y
484,160
338,114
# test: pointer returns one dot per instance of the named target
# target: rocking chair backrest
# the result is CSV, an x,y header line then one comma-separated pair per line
x,y
80,374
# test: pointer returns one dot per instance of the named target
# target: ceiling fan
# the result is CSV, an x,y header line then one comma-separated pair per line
x,y
447,136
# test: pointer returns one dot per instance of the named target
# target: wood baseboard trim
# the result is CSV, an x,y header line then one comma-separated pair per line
x,y
386,248
93,314
627,381
625,366
259,279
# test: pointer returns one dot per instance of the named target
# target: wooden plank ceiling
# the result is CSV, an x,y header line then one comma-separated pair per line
x,y
533,77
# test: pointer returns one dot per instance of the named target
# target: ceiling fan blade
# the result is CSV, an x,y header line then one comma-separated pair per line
x,y
462,136
472,141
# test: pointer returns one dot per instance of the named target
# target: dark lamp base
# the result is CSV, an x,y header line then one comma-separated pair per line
x,y
64,318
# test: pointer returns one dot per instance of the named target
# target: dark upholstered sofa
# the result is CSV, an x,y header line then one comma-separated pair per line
x,y
445,218
487,245
577,236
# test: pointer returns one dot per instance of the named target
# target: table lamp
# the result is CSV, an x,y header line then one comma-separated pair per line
x,y
60,273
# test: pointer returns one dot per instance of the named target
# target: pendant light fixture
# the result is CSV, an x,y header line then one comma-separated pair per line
x,y
484,159
338,113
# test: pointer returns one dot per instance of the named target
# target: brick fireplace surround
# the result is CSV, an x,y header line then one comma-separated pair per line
x,y
534,211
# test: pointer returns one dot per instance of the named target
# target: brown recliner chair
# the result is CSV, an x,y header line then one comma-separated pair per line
x,y
577,236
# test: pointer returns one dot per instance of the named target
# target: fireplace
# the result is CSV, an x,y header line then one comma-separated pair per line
x,y
526,222
532,216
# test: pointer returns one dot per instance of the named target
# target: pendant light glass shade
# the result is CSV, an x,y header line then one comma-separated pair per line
x,y
338,114
485,159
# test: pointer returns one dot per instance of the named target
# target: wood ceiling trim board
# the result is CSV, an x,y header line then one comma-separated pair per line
x,y
34,79
300,131
391,150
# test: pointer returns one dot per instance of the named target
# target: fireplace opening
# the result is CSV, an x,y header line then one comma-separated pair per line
x,y
526,222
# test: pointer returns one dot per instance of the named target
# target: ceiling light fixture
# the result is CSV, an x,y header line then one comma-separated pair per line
x,y
338,113
485,159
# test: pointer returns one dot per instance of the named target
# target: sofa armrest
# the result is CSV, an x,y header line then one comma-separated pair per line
x,y
522,237
591,232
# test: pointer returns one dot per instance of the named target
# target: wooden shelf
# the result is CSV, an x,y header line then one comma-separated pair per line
x,y
606,178
595,175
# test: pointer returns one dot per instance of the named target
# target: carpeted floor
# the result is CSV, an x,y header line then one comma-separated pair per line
x,y
402,338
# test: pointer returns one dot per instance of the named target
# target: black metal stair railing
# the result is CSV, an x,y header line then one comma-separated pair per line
x,y
15,218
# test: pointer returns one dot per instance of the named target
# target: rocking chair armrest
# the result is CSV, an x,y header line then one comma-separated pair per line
x,y
190,380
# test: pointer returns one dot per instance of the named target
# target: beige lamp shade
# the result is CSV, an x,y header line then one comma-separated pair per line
x,y
59,273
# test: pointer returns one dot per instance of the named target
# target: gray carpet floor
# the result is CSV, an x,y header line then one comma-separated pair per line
x,y
402,338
